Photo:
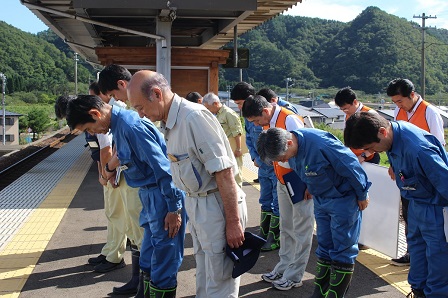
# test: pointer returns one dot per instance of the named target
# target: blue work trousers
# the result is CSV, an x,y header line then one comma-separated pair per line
x,y
160,256
338,226
428,249
268,189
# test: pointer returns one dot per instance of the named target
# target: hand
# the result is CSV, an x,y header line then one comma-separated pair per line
x,y
363,204
109,175
172,224
234,235
102,180
307,195
238,153
112,182
391,173
361,159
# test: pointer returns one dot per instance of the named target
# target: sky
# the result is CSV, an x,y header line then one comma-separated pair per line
x,y
347,10
17,15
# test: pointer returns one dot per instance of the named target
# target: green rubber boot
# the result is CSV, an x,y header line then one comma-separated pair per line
x,y
265,221
273,240
155,292
341,275
322,278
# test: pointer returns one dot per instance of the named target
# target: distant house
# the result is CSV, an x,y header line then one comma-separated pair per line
x,y
11,128
332,117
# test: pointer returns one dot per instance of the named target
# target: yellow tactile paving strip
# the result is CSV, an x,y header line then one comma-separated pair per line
x,y
21,254
380,265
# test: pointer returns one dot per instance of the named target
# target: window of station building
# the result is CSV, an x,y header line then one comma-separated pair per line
x,y
9,121
9,138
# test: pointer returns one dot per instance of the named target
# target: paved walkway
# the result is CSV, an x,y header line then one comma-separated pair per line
x,y
51,225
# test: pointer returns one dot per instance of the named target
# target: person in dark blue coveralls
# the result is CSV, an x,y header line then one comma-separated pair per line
x,y
339,185
142,157
270,214
420,163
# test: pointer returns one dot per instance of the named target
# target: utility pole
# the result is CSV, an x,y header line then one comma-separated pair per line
x,y
423,67
76,73
3,77
287,87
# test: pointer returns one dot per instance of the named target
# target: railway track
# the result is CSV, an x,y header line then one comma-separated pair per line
x,y
13,172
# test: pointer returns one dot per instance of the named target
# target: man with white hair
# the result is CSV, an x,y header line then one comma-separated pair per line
x,y
231,123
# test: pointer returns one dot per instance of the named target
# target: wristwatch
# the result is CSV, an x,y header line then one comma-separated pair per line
x,y
107,168
177,212
363,155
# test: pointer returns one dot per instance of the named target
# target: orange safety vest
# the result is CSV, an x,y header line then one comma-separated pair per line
x,y
418,118
358,152
281,123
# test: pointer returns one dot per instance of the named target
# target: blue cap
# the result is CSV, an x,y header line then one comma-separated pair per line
x,y
245,256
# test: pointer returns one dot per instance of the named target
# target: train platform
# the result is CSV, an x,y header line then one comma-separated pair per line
x,y
52,220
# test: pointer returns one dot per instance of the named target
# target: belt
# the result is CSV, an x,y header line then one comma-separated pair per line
x,y
202,194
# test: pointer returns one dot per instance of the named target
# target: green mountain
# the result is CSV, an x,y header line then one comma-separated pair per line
x,y
31,63
365,53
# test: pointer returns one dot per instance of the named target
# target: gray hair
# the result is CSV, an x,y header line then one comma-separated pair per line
x,y
155,80
272,143
210,98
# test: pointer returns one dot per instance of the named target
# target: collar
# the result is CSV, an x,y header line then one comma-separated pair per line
x,y
277,110
396,145
173,112
359,107
419,101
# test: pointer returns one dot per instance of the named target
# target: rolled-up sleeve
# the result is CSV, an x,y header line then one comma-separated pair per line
x,y
207,142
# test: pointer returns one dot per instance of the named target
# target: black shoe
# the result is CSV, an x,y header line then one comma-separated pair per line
x,y
107,266
362,246
96,260
416,294
256,180
405,260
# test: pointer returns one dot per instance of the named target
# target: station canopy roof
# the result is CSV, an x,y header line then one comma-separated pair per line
x,y
205,24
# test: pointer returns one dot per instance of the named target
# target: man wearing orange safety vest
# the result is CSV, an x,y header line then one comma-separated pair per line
x,y
347,101
411,107
296,219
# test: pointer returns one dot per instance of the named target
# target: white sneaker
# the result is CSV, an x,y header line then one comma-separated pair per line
x,y
271,276
284,284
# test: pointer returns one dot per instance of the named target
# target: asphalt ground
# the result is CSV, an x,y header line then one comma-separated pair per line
x,y
62,269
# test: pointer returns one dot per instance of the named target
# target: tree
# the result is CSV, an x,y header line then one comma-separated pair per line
x,y
38,121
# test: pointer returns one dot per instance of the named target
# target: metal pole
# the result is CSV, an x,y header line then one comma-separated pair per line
x,y
423,58
3,77
423,74
76,73
287,87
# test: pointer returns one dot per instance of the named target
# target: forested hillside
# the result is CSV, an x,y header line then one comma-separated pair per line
x,y
364,54
31,63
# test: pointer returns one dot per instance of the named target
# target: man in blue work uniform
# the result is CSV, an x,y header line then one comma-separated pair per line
x,y
142,159
336,180
270,215
420,163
